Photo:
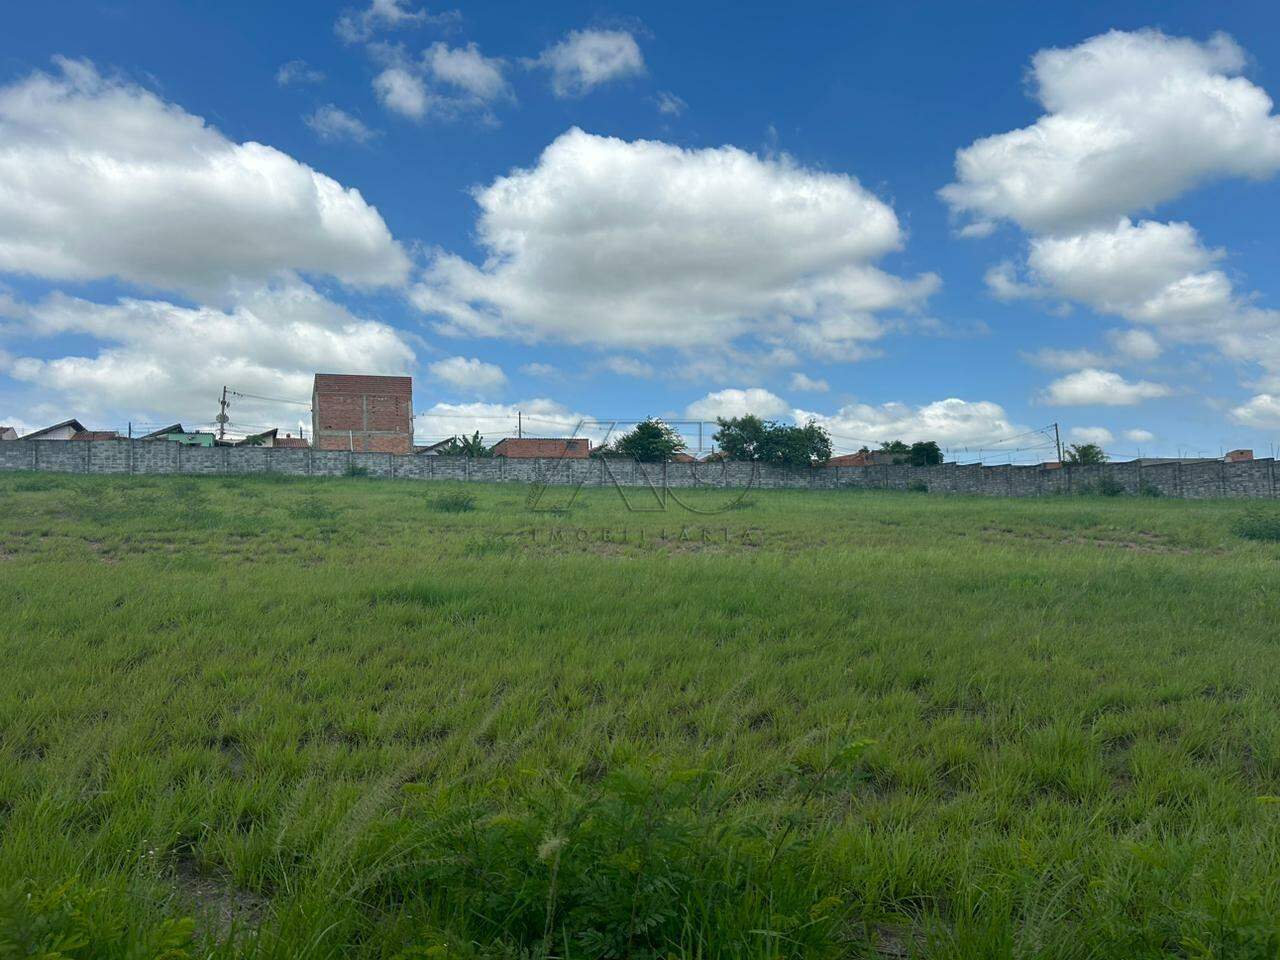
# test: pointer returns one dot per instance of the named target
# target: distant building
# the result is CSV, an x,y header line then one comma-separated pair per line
x,y
176,433
8,433
96,435
1238,456
59,431
365,414
291,442
434,449
532,448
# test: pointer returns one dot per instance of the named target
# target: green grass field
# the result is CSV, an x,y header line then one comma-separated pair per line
x,y
335,719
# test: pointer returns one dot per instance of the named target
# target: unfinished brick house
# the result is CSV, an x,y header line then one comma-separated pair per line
x,y
364,414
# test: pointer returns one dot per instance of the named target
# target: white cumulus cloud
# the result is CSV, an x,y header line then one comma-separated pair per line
x,y
444,82
585,59
100,178
170,362
951,423
1102,387
1098,435
468,374
1131,120
358,25
737,403
1138,435
643,243
1261,411
541,417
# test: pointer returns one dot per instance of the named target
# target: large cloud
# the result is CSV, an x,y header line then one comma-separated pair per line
x,y
1132,119
644,244
170,362
101,178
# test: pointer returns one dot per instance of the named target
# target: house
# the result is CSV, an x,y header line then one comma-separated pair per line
x,y
1238,456
289,441
849,460
681,457
267,438
531,448
96,435
175,433
362,413
8,433
434,449
59,431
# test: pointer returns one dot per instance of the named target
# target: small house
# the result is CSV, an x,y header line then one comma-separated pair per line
x,y
59,431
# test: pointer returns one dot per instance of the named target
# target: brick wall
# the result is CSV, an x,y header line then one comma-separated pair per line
x,y
1247,479
365,423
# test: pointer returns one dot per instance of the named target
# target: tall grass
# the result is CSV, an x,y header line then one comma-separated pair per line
x,y
320,719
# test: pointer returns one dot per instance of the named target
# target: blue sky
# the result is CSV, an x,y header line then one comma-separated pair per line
x,y
579,210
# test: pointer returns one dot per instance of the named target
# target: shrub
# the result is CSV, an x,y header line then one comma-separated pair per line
x,y
1258,525
1149,490
354,471
454,501
918,486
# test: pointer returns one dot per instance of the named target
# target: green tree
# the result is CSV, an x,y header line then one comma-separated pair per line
x,y
650,441
1085,454
740,437
472,446
750,438
924,453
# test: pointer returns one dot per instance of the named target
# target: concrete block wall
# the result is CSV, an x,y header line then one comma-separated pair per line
x,y
1248,479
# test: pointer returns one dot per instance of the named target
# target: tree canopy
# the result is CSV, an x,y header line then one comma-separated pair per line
x,y
764,441
1085,454
650,441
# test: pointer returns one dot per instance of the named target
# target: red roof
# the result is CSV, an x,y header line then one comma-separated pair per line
x,y
529,448
361,386
849,460
291,442
95,435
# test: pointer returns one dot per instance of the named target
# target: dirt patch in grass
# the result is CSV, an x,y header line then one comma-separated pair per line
x,y
221,908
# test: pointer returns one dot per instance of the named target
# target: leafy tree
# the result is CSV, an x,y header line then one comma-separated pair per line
x,y
1085,454
924,453
650,441
894,446
740,437
472,446
750,438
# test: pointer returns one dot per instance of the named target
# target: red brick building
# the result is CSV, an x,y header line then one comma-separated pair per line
x,y
365,414
530,448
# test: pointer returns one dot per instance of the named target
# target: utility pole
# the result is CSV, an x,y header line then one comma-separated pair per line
x,y
519,423
222,415
1057,439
